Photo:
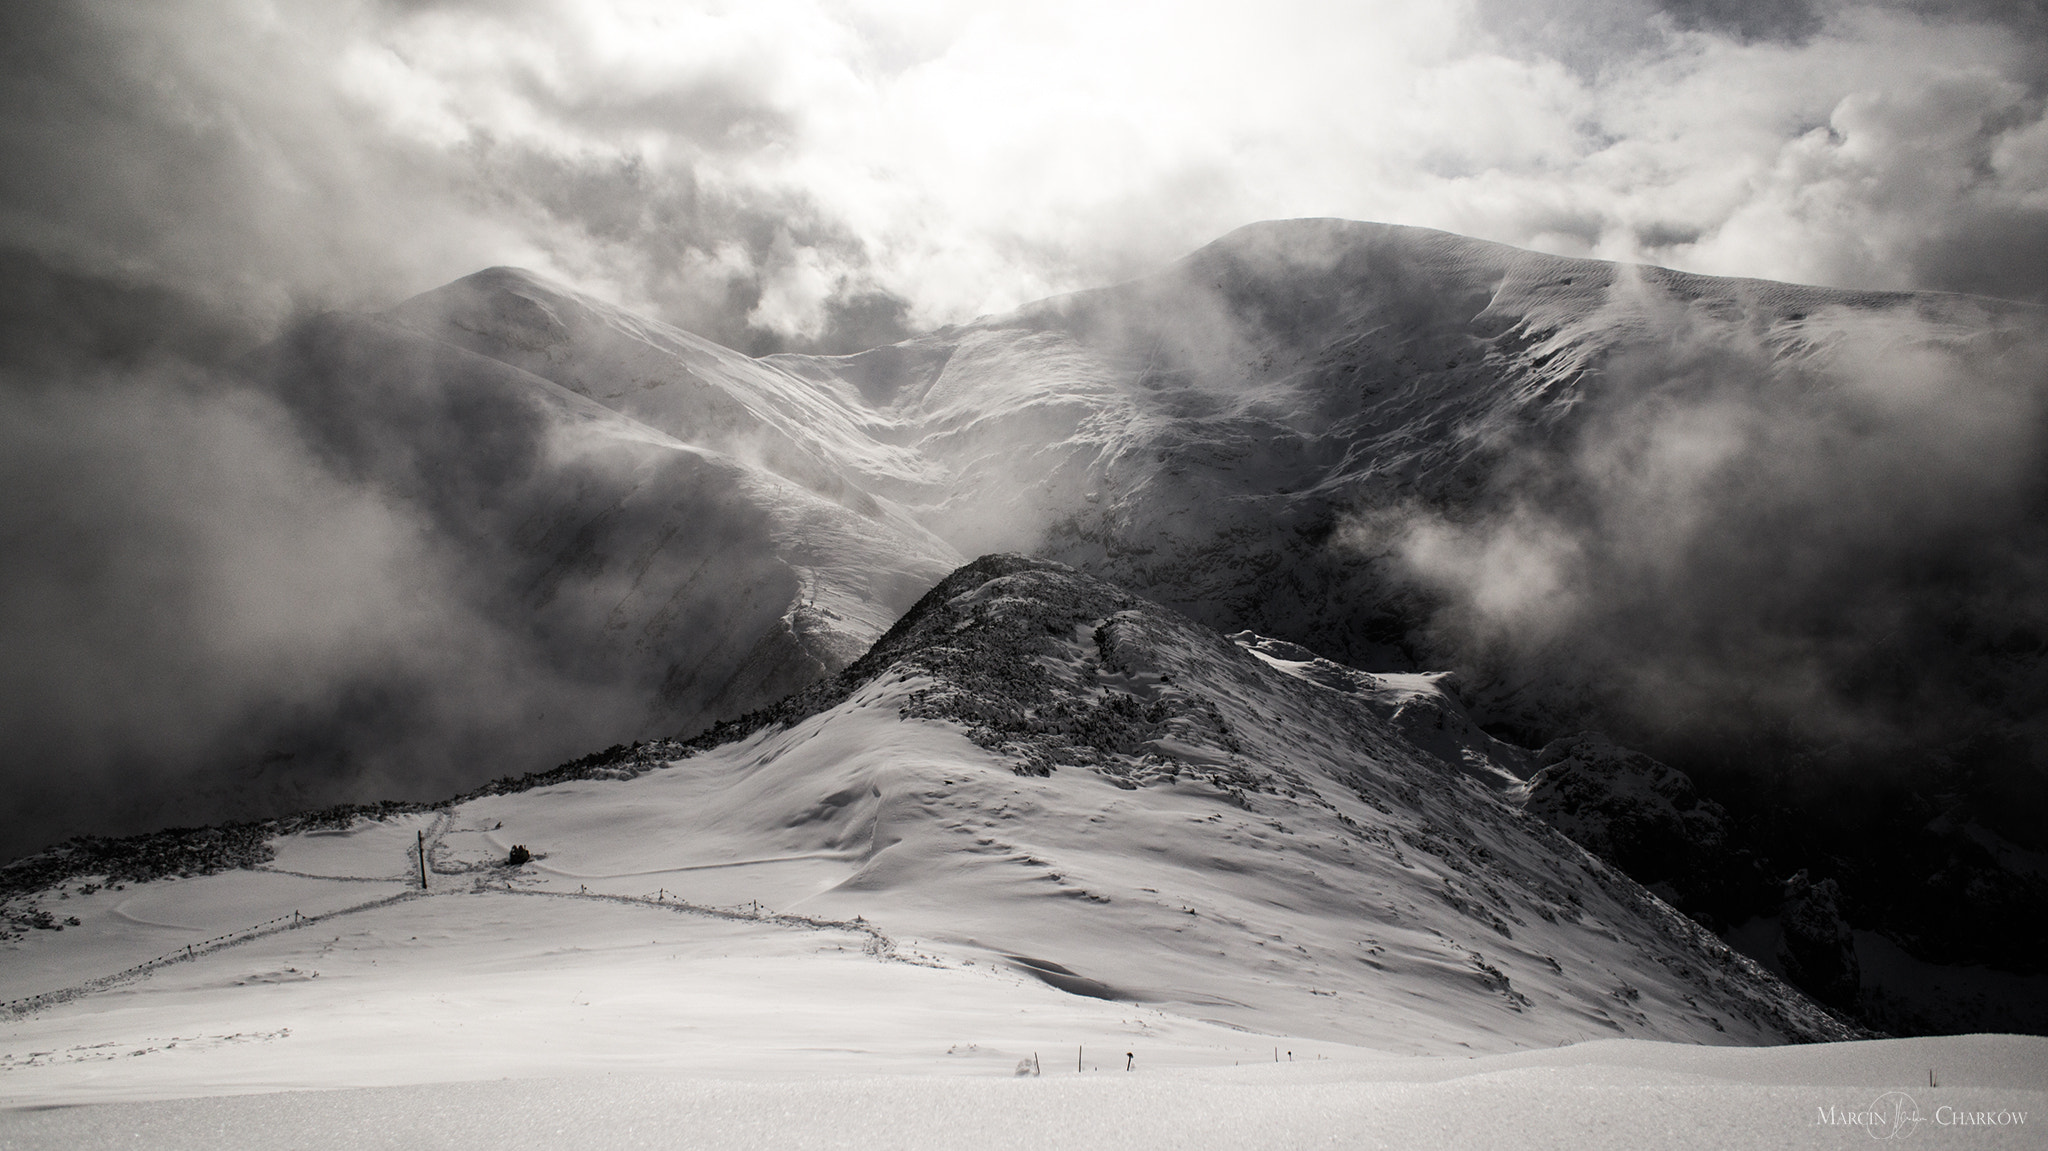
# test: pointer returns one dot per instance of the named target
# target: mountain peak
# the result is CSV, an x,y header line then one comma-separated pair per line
x,y
1151,764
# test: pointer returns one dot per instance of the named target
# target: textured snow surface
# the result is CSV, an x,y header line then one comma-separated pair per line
x,y
511,1020
1042,824
1622,1095
1042,813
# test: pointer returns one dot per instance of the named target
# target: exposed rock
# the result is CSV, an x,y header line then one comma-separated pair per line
x,y
1647,819
1819,951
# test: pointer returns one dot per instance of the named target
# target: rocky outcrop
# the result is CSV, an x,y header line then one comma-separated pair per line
x,y
1818,951
1647,819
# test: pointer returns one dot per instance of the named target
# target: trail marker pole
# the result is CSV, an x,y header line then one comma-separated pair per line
x,y
423,858
1077,1060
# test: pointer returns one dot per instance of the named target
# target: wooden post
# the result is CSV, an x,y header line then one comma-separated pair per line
x,y
423,859
1077,1059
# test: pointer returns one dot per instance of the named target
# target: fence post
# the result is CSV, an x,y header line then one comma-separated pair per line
x,y
423,858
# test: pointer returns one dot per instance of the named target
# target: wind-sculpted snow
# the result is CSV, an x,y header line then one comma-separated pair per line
x,y
668,379
1156,808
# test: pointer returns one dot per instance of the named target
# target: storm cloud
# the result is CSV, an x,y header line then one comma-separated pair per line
x,y
792,174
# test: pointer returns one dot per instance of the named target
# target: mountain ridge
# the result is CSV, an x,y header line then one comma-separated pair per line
x,y
1034,764
1396,448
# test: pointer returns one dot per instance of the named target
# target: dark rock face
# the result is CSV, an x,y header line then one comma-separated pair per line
x,y
1827,635
1819,952
994,664
1625,807
1646,818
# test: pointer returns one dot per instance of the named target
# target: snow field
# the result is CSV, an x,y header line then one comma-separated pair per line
x,y
1629,1096
479,985
119,929
1190,907
853,930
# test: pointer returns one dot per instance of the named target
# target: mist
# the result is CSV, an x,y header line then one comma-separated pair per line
x,y
1821,530
203,620
210,591
337,567
797,175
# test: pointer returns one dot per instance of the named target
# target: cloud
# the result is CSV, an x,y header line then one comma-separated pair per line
x,y
1823,527
359,565
183,588
188,178
699,160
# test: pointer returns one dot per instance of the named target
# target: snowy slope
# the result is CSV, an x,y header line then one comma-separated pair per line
x,y
815,436
1040,812
1619,1094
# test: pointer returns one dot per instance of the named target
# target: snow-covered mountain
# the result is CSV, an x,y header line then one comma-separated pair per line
x,y
1729,518
1242,435
690,578
1033,776
1395,448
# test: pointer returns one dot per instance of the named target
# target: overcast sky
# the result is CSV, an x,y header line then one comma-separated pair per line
x,y
830,172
